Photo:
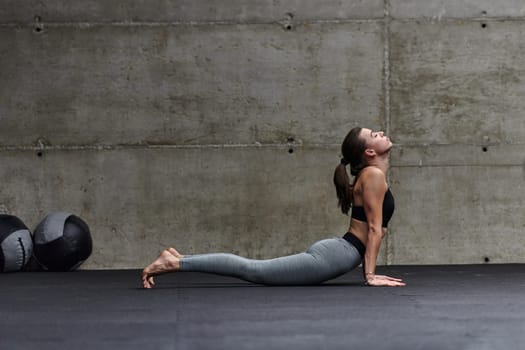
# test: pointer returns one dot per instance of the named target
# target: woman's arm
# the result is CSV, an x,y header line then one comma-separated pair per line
x,y
374,189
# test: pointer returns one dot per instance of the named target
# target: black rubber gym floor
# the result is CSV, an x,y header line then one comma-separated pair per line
x,y
443,307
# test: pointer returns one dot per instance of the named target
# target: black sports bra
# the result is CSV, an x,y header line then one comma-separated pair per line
x,y
358,213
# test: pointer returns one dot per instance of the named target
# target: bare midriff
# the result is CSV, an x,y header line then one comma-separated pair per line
x,y
360,230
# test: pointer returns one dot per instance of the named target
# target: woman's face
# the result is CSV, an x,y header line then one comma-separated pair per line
x,y
376,140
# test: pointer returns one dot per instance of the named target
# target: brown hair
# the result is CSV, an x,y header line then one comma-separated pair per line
x,y
353,149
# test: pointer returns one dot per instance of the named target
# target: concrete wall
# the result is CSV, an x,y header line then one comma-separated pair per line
x,y
216,127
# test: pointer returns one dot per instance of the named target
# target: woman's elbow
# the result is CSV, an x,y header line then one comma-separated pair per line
x,y
375,231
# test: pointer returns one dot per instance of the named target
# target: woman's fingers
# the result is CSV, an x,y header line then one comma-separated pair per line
x,y
383,282
398,284
389,278
391,283
394,279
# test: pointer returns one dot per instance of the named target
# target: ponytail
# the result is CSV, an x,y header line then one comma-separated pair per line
x,y
352,149
343,188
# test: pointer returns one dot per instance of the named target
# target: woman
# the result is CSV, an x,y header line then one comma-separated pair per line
x,y
372,205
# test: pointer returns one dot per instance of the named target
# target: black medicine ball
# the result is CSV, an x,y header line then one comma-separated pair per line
x,y
62,242
16,244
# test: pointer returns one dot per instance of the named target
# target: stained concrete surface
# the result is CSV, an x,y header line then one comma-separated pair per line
x,y
216,127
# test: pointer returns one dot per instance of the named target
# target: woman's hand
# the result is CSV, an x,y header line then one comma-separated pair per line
x,y
384,281
388,278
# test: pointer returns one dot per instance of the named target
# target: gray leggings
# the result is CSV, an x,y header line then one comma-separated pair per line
x,y
324,260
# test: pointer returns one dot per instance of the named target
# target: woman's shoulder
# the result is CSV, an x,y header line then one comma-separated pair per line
x,y
372,175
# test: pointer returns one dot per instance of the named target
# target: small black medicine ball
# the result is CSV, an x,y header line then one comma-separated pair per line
x,y
16,244
62,242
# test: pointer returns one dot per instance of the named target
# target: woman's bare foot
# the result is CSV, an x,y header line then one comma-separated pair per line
x,y
174,252
166,262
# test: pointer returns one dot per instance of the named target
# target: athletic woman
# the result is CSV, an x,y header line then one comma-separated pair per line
x,y
366,152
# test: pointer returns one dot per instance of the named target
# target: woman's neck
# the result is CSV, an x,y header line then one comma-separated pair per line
x,y
380,162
